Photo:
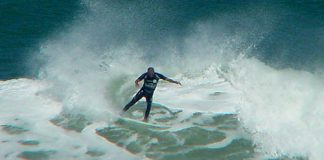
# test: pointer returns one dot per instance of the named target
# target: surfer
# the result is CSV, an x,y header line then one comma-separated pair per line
x,y
151,80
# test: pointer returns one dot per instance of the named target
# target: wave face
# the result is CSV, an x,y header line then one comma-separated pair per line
x,y
251,73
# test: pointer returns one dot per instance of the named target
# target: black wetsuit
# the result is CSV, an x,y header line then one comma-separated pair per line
x,y
146,91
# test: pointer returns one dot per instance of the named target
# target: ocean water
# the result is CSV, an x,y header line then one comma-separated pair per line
x,y
252,75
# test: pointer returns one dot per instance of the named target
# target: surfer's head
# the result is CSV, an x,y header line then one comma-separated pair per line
x,y
150,71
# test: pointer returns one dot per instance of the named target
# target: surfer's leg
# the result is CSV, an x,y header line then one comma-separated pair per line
x,y
136,98
148,108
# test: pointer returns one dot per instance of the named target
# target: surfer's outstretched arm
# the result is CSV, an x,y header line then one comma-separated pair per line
x,y
168,79
173,81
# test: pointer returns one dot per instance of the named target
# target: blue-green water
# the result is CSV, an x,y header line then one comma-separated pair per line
x,y
24,25
251,72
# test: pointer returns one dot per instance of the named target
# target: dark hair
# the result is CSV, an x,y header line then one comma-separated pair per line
x,y
150,68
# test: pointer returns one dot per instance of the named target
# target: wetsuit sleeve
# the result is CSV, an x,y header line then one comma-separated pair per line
x,y
161,76
141,77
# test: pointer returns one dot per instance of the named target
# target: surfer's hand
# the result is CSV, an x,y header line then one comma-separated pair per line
x,y
178,82
137,83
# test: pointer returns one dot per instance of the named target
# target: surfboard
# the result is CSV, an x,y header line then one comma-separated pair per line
x,y
137,123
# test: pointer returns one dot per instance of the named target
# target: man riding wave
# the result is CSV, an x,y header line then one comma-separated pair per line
x,y
151,80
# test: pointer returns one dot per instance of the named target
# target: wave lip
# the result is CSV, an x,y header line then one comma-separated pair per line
x,y
280,107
